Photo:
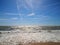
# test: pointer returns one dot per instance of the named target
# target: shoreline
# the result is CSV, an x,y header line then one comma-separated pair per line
x,y
42,43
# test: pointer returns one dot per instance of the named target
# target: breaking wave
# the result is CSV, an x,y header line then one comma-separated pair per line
x,y
16,35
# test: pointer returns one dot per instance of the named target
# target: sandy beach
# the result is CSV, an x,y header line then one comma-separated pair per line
x,y
42,43
47,43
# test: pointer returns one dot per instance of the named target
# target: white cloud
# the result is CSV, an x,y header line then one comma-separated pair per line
x,y
41,17
33,4
2,19
36,18
52,4
11,13
31,14
19,4
14,18
28,4
44,17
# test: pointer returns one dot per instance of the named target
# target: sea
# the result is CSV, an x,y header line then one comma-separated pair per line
x,y
15,35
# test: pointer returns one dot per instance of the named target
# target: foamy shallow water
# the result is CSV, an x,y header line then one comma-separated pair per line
x,y
16,37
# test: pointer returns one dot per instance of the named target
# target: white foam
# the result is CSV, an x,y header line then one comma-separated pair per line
x,y
43,36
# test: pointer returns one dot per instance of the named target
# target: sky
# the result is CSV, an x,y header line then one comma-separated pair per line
x,y
30,12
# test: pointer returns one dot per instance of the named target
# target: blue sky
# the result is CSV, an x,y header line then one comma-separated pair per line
x,y
30,12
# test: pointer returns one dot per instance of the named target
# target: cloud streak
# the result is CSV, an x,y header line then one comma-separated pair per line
x,y
10,13
4,19
28,4
14,18
38,17
31,14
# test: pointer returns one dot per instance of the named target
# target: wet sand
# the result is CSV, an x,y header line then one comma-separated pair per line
x,y
45,43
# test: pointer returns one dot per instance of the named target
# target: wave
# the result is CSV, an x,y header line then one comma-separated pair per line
x,y
8,28
17,35
14,38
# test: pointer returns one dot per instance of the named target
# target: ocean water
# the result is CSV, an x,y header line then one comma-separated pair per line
x,y
17,34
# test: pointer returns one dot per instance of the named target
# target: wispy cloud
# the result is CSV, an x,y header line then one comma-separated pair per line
x,y
10,13
45,6
14,18
36,18
31,14
33,4
2,19
42,17
28,4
